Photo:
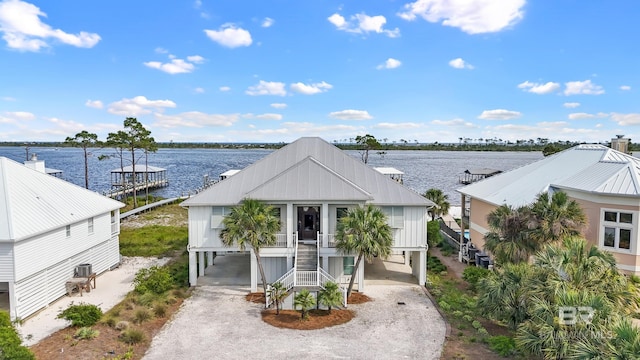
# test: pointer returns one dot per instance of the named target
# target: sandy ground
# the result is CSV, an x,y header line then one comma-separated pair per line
x,y
111,288
217,322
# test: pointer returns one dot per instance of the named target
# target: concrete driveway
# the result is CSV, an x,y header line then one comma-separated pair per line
x,y
217,323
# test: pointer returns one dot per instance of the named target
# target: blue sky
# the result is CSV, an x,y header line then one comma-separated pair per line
x,y
273,71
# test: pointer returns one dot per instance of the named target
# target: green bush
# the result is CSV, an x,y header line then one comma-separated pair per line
x,y
154,279
473,274
10,343
81,315
131,336
434,265
476,324
147,299
503,345
179,270
86,333
434,238
444,306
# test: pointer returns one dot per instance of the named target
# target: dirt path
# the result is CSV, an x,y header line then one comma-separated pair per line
x,y
451,261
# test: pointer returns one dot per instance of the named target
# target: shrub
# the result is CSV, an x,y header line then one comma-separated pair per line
x,y
179,270
457,313
147,299
160,310
122,325
473,274
483,332
81,315
109,321
476,324
154,279
10,343
503,345
179,293
131,336
141,315
86,333
469,318
435,265
434,238
444,306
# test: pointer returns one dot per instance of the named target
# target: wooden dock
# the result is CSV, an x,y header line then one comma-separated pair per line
x,y
118,192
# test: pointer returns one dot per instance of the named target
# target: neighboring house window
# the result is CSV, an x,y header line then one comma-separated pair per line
x,y
68,229
395,216
219,212
617,229
90,225
347,265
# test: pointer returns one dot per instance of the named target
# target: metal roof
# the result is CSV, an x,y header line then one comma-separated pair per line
x,y
32,202
139,169
309,169
590,167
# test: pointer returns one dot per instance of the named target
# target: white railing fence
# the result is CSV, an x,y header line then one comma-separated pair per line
x,y
281,241
331,240
287,280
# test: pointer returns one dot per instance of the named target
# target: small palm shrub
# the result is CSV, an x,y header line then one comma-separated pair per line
x,y
141,315
154,279
331,296
305,301
86,333
131,336
81,315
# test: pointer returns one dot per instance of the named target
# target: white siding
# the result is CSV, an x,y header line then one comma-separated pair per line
x,y
274,268
200,232
6,262
40,289
48,249
414,232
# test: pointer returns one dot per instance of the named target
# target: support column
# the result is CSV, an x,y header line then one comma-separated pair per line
x,y
200,263
360,275
209,258
462,225
289,224
422,263
407,257
193,272
325,263
13,311
289,262
325,225
254,272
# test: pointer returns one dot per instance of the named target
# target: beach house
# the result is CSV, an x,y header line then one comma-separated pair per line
x,y
604,181
48,227
311,183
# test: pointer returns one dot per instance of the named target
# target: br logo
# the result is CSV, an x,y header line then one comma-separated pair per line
x,y
571,315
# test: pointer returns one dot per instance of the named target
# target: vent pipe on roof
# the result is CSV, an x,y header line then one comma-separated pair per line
x,y
35,164
620,143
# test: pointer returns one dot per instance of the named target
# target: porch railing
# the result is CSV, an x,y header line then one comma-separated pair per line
x,y
281,241
306,278
331,240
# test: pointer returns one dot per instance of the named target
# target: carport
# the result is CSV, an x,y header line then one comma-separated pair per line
x,y
228,270
392,271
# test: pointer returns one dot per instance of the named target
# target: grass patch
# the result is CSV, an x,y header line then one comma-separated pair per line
x,y
153,240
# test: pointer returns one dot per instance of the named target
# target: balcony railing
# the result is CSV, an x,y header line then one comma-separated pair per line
x,y
281,241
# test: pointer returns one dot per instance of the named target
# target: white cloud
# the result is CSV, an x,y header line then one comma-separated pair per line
x,y
391,63
195,119
269,116
21,115
310,89
279,105
582,115
499,114
625,87
22,29
538,88
160,50
230,36
199,90
176,66
406,125
471,16
267,22
267,88
571,105
138,105
582,88
458,63
351,115
626,119
363,24
96,104
454,123
224,88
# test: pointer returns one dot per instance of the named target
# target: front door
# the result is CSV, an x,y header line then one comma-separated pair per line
x,y
308,222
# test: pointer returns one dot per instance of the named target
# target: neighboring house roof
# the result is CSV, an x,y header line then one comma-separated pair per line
x,y
140,168
388,171
32,202
589,168
309,169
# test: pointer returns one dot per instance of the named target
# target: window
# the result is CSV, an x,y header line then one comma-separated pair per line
x,y
68,230
341,212
395,216
347,265
617,229
219,212
277,213
90,225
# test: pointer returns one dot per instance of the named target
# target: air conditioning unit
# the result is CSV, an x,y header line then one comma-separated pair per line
x,y
83,270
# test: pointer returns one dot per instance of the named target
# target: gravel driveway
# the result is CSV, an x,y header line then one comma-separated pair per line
x,y
217,323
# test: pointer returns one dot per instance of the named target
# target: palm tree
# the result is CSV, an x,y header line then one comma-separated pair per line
x,y
278,293
330,296
365,232
556,217
306,301
251,224
508,238
440,200
84,140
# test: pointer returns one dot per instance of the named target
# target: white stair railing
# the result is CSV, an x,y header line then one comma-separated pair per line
x,y
287,280
324,277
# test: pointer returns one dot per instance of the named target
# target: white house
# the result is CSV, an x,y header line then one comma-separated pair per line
x,y
311,183
49,226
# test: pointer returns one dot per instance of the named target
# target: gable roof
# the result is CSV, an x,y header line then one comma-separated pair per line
x,y
590,168
32,202
309,169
